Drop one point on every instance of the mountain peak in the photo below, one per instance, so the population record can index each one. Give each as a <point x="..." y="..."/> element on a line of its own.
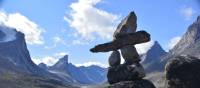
<point x="43" y="65"/>
<point x="154" y="53"/>
<point x="64" y="59"/>
<point x="156" y="45"/>
<point x="192" y="36"/>
<point x="61" y="64"/>
<point x="193" y="32"/>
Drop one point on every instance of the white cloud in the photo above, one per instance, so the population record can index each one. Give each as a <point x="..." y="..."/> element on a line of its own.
<point x="187" y="12"/>
<point x="87" y="64"/>
<point x="48" y="47"/>
<point x="144" y="47"/>
<point x="31" y="30"/>
<point x="173" y="42"/>
<point x="90" y="22"/>
<point x="48" y="60"/>
<point x="80" y="42"/>
<point x="56" y="40"/>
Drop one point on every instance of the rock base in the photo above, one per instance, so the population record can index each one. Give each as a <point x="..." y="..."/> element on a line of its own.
<point x="123" y="73"/>
<point x="133" y="84"/>
<point x="183" y="72"/>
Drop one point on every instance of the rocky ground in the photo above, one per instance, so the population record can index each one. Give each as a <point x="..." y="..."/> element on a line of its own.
<point x="19" y="80"/>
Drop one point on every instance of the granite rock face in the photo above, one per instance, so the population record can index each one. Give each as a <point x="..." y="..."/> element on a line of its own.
<point x="191" y="37"/>
<point x="133" y="84"/>
<point x="183" y="72"/>
<point x="13" y="47"/>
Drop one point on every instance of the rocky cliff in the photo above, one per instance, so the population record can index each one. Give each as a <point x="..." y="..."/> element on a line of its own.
<point x="17" y="70"/>
<point x="13" y="48"/>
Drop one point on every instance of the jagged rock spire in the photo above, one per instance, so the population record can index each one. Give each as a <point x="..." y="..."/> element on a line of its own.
<point x="61" y="64"/>
<point x="154" y="53"/>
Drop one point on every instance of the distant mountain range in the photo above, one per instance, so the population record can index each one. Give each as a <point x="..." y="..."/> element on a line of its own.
<point x="84" y="75"/>
<point x="16" y="67"/>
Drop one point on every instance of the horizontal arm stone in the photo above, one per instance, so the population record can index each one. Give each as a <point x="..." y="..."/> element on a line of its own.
<point x="129" y="39"/>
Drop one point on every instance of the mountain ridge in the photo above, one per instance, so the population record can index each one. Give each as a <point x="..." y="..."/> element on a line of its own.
<point x="84" y="75"/>
<point x="191" y="37"/>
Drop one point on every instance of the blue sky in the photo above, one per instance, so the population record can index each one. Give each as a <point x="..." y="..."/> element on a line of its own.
<point x="59" y="27"/>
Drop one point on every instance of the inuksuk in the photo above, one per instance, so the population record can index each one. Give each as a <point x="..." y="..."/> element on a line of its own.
<point x="124" y="39"/>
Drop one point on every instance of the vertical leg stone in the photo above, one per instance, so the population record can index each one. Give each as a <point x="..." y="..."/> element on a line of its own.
<point x="130" y="55"/>
<point x="114" y="58"/>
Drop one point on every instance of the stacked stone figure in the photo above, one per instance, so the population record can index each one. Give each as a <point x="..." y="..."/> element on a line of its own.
<point x="124" y="39"/>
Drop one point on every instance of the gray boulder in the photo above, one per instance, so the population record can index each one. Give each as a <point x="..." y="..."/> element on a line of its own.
<point x="130" y="54"/>
<point x="133" y="84"/>
<point x="124" y="73"/>
<point x="183" y="72"/>
<point x="127" y="25"/>
<point x="114" y="59"/>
